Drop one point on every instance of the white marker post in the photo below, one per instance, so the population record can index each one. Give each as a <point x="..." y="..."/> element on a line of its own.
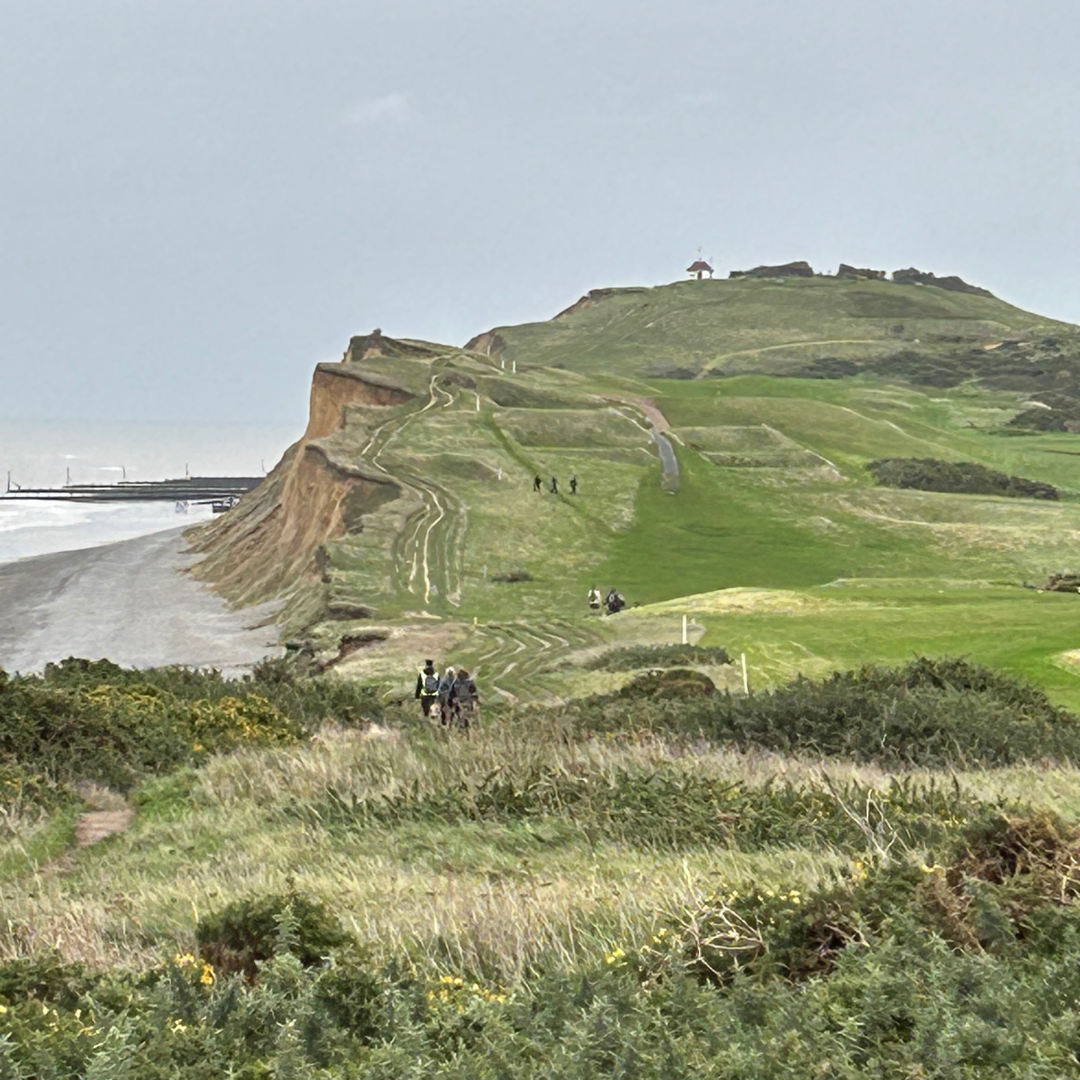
<point x="685" y="640"/>
<point x="745" y="676"/>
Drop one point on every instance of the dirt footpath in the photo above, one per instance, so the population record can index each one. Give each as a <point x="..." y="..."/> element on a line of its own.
<point x="129" y="602"/>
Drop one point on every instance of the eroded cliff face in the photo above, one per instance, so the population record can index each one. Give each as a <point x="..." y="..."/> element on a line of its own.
<point x="273" y="545"/>
<point x="335" y="386"/>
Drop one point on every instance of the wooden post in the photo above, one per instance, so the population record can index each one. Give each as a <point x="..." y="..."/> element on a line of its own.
<point x="745" y="676"/>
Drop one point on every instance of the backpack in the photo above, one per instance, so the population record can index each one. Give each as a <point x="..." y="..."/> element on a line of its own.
<point x="431" y="682"/>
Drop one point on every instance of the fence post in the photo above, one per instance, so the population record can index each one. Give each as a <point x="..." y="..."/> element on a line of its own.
<point x="745" y="675"/>
<point x="684" y="637"/>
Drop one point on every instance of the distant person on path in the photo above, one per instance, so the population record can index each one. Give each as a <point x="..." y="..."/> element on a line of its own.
<point x="596" y="601"/>
<point x="537" y="482"/>
<point x="446" y="684"/>
<point x="427" y="686"/>
<point x="554" y="486"/>
<point x="573" y="484"/>
<point x="614" y="602"/>
<point x="464" y="698"/>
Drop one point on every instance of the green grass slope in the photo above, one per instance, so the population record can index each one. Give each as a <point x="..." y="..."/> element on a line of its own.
<point x="751" y="324"/>
<point x="470" y="565"/>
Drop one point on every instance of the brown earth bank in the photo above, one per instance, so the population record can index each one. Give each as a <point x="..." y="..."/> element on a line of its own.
<point x="273" y="543"/>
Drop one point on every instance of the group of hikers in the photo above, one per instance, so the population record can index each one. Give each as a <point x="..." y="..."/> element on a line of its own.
<point x="613" y="603"/>
<point x="553" y="487"/>
<point x="453" y="693"/>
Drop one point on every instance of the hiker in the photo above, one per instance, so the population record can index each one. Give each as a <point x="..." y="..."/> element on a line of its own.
<point x="427" y="686"/>
<point x="573" y="484"/>
<point x="446" y="684"/>
<point x="554" y="486"/>
<point x="537" y="482"/>
<point x="464" y="699"/>
<point x="614" y="602"/>
<point x="595" y="599"/>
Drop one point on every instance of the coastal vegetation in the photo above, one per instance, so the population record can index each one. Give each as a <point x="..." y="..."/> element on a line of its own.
<point x="874" y="869"/>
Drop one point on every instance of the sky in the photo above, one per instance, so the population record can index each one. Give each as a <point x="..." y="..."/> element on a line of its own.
<point x="201" y="199"/>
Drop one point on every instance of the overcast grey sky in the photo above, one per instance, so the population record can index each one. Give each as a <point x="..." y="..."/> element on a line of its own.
<point x="199" y="199"/>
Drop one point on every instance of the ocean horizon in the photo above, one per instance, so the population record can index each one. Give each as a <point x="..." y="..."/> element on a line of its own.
<point x="52" y="454"/>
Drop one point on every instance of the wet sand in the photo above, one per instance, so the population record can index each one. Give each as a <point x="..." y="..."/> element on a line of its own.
<point x="129" y="602"/>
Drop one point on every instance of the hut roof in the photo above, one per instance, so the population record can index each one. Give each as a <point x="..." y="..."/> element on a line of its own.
<point x="694" y="267"/>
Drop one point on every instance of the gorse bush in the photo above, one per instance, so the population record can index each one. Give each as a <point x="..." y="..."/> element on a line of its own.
<point x="958" y="477"/>
<point x="92" y="720"/>
<point x="251" y="930"/>
<point x="896" y="970"/>
<point x="929" y="712"/>
<point x="668" y="683"/>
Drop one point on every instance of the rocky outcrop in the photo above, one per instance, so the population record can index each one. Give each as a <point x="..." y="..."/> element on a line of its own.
<point x="791" y="269"/>
<point x="911" y="276"/>
<point x="854" y="273"/>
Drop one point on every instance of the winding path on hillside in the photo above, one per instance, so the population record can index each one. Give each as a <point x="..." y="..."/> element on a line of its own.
<point x="658" y="432"/>
<point x="426" y="561"/>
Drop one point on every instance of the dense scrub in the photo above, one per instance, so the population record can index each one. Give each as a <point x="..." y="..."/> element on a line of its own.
<point x="92" y="720"/>
<point x="929" y="712"/>
<point x="962" y="965"/>
<point x="957" y="477"/>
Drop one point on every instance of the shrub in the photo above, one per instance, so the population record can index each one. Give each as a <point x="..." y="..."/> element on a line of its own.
<point x="960" y="477"/>
<point x="512" y="577"/>
<point x="673" y="683"/>
<point x="929" y="712"/>
<point x="253" y="929"/>
<point x="92" y="720"/>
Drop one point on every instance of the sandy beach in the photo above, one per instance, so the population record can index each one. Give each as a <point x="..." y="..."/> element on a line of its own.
<point x="130" y="602"/>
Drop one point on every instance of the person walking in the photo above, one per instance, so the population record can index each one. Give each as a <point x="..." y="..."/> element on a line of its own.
<point x="554" y="486"/>
<point x="464" y="700"/>
<point x="537" y="483"/>
<point x="573" y="484"/>
<point x="446" y="684"/>
<point x="596" y="600"/>
<point x="427" y="687"/>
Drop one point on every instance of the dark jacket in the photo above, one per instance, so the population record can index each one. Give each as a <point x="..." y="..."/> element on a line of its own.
<point x="463" y="691"/>
<point x="420" y="680"/>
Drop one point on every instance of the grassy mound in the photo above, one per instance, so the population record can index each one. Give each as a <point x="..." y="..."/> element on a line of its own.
<point x="634" y="657"/>
<point x="958" y="477"/>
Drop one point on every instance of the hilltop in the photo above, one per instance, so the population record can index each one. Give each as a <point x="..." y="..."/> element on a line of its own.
<point x="405" y="517"/>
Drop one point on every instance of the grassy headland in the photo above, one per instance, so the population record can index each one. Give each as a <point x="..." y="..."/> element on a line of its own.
<point x="616" y="873"/>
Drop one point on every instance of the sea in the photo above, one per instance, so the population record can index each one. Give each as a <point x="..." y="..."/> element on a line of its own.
<point x="52" y="454"/>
